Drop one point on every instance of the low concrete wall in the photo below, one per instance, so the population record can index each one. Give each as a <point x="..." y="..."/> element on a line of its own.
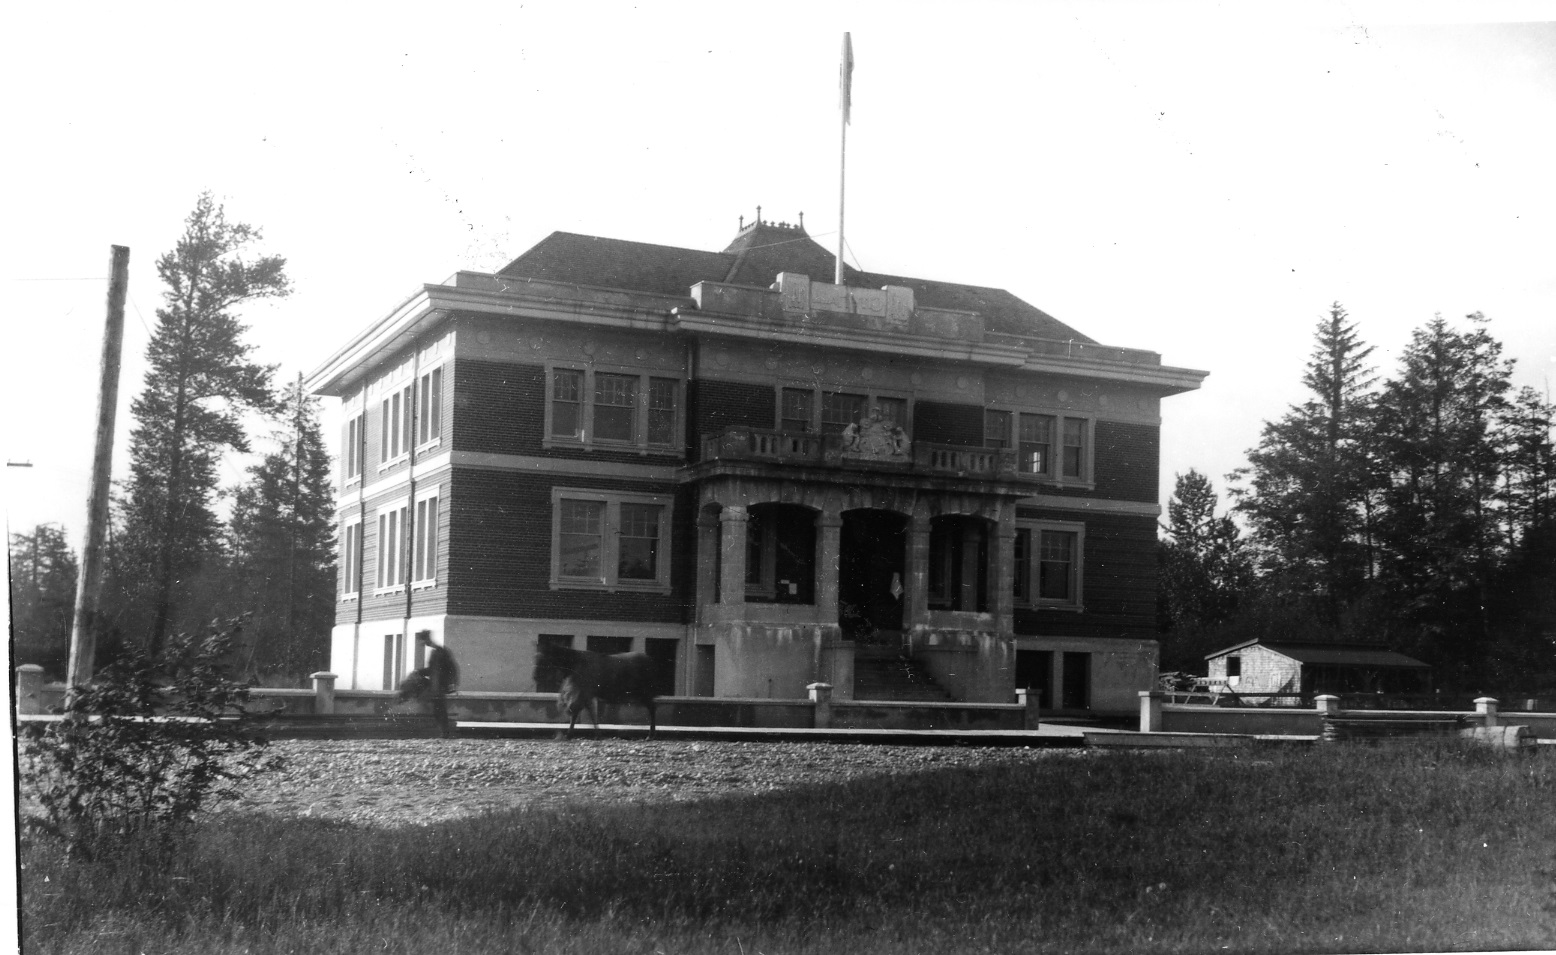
<point x="1183" y="718"/>
<point x="928" y="716"/>
<point x="1159" y="716"/>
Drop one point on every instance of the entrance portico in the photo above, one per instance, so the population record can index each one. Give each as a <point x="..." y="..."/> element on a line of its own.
<point x="795" y="572"/>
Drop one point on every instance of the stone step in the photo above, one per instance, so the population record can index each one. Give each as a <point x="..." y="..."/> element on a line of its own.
<point x="894" y="677"/>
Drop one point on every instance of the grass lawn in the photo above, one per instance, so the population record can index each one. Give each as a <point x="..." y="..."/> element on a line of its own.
<point x="1343" y="848"/>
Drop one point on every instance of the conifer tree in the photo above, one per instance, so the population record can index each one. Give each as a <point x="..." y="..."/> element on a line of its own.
<point x="283" y="546"/>
<point x="1312" y="482"/>
<point x="199" y="383"/>
<point x="43" y="597"/>
<point x="1206" y="567"/>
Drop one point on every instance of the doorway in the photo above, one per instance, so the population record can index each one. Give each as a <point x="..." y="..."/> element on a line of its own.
<point x="871" y="575"/>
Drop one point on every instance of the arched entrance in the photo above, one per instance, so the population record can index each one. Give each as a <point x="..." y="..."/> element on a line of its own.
<point x="872" y="575"/>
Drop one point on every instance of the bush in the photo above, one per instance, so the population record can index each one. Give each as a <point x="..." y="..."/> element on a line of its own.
<point x="153" y="739"/>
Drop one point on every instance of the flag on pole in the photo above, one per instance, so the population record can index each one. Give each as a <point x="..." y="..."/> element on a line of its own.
<point x="845" y="79"/>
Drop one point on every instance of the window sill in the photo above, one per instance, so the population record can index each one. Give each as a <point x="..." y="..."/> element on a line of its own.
<point x="665" y="450"/>
<point x="423" y="584"/>
<point x="389" y="591"/>
<point x="349" y="598"/>
<point x="393" y="463"/>
<point x="600" y="586"/>
<point x="1061" y="608"/>
<point x="432" y="445"/>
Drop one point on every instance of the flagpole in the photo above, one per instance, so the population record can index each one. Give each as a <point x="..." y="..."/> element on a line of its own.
<point x="845" y="90"/>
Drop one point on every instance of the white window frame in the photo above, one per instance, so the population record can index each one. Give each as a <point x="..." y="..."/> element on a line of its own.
<point x="1055" y="473"/>
<point x="424" y="542"/>
<point x="395" y="425"/>
<point x="350" y="563"/>
<point x="1036" y="529"/>
<point x="586" y="437"/>
<point x="610" y="545"/>
<point x="427" y="424"/>
<point x="398" y="570"/>
<point x="356" y="447"/>
<point x="817" y="393"/>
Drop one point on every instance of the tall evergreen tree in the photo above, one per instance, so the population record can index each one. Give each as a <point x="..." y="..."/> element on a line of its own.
<point x="1206" y="566"/>
<point x="199" y="383"/>
<point x="1437" y="434"/>
<point x="283" y="546"/>
<point x="1311" y="482"/>
<point x="1527" y="494"/>
<point x="43" y="597"/>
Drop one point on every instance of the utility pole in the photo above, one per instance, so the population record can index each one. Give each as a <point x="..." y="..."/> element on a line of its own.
<point x="83" y="633"/>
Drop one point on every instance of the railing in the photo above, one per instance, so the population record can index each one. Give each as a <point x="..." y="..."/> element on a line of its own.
<point x="801" y="448"/>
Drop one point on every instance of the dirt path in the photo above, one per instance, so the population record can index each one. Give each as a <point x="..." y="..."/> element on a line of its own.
<point x="420" y="781"/>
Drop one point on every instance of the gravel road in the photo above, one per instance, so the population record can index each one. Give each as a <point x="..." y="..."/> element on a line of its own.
<point x="421" y="781"/>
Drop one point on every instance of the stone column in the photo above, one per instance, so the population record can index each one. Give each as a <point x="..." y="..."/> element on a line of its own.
<point x="829" y="547"/>
<point x="29" y="690"/>
<point x="1486" y="711"/>
<point x="707" y="559"/>
<point x="821" y="702"/>
<point x="1003" y="559"/>
<point x="323" y="693"/>
<point x="732" y="554"/>
<point x="1029" y="699"/>
<point x="1151" y="711"/>
<point x="918" y="572"/>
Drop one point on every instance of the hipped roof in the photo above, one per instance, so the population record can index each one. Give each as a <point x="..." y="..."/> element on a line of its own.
<point x="755" y="258"/>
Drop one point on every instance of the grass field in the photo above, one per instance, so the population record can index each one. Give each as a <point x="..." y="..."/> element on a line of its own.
<point x="1337" y="848"/>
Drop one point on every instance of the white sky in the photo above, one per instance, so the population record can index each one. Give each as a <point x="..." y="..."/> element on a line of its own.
<point x="1182" y="178"/>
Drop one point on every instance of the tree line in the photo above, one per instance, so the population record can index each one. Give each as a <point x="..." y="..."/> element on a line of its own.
<point x="1416" y="511"/>
<point x="177" y="557"/>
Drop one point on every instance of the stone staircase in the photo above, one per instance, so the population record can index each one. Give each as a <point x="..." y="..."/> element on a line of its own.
<point x="885" y="673"/>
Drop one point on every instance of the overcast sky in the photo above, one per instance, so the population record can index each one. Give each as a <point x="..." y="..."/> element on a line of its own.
<point x="1181" y="178"/>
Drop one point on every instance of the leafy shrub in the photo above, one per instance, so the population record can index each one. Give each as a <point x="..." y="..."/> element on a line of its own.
<point x="155" y="737"/>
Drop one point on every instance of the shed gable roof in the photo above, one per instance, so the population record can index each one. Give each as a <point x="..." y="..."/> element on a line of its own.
<point x="1330" y="654"/>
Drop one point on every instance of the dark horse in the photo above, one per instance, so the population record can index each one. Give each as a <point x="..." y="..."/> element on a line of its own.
<point x="591" y="678"/>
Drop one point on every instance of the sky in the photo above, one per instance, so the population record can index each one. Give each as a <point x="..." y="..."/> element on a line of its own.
<point x="1202" y="180"/>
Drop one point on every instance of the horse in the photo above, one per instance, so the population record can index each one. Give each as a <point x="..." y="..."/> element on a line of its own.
<point x="416" y="685"/>
<point x="591" y="678"/>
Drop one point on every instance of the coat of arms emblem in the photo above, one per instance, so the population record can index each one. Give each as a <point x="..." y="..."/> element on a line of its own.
<point x="874" y="438"/>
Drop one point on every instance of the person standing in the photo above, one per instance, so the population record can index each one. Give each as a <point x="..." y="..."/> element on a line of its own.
<point x="442" y="679"/>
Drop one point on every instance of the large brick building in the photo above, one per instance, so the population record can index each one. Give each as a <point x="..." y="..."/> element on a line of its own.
<point x="753" y="474"/>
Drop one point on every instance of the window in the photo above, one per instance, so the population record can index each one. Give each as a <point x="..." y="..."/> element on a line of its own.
<point x="996" y="429"/>
<point x="429" y="410"/>
<point x="394" y="659"/>
<point x="829" y="412"/>
<point x="392" y="532"/>
<point x="353" y="456"/>
<point x="1234" y="669"/>
<point x="610" y="541"/>
<point x="1046" y="571"/>
<point x="424" y="531"/>
<point x="620" y="408"/>
<point x="351" y="558"/>
<point x="1050" y="446"/>
<point x="394" y="431"/>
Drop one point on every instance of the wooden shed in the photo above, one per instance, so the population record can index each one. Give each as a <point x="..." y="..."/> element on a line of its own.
<point x="1256" y="666"/>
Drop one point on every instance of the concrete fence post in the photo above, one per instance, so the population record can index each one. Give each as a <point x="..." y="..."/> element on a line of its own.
<point x="1486" y="711"/>
<point x="821" y="703"/>
<point x="1327" y="705"/>
<point x="323" y="693"/>
<point x="29" y="690"/>
<point x="1029" y="699"/>
<point x="1151" y="711"/>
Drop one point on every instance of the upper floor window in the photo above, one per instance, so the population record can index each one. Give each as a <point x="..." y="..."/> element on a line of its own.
<point x="394" y="427"/>
<point x="351" y="558"/>
<point x="597" y="408"/>
<point x="429" y="409"/>
<point x="1047" y="571"/>
<point x="610" y="541"/>
<point x="830" y="412"/>
<point x="393" y="528"/>
<point x="351" y="461"/>
<point x="424" y="546"/>
<point x="1052" y="446"/>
